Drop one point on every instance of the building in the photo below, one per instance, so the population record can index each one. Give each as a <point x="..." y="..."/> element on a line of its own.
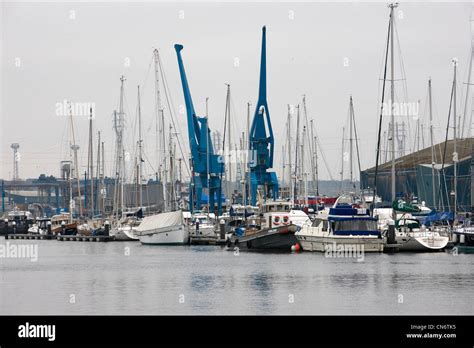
<point x="414" y="176"/>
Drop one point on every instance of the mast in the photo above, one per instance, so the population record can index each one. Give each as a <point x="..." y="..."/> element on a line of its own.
<point x="468" y="83"/>
<point x="229" y="139"/>
<point x="140" y="152"/>
<point x="160" y="133"/>
<point x="296" y="150"/>
<point x="97" y="175"/>
<point x="342" y="158"/>
<point x="75" y="147"/>
<point x="158" y="111"/>
<point x="432" y="145"/>
<point x="229" y="145"/>
<point x="315" y="161"/>
<point x="350" y="143"/>
<point x="290" y="172"/>
<point x="207" y="158"/>
<point x="120" y="152"/>
<point x="102" y="176"/>
<point x="455" y="154"/>
<point x="392" y="97"/>
<point x="90" y="161"/>
<point x="303" y="173"/>
<point x="172" y="182"/>
<point x="247" y="169"/>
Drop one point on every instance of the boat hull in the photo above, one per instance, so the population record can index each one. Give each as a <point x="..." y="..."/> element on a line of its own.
<point x="125" y="233"/>
<point x="170" y="235"/>
<point x="421" y="243"/>
<point x="322" y="243"/>
<point x="280" y="238"/>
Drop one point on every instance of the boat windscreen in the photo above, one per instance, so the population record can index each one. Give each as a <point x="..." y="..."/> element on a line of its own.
<point x="355" y="225"/>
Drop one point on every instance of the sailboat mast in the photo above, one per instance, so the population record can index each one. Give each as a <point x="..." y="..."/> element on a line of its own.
<point x="247" y="169"/>
<point x="160" y="133"/>
<point x="102" y="178"/>
<point x="91" y="163"/>
<point x="392" y="97"/>
<point x="75" y="147"/>
<point x="342" y="158"/>
<point x="297" y="150"/>
<point x="303" y="173"/>
<point x="140" y="152"/>
<point x="157" y="116"/>
<point x="468" y="85"/>
<point x="350" y="143"/>
<point x="172" y="181"/>
<point x="290" y="172"/>
<point x="229" y="182"/>
<point x="121" y="172"/>
<point x="207" y="158"/>
<point x="97" y="175"/>
<point x="455" y="154"/>
<point x="432" y="145"/>
<point x="314" y="178"/>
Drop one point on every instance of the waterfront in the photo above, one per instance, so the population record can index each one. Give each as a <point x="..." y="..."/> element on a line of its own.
<point x="129" y="278"/>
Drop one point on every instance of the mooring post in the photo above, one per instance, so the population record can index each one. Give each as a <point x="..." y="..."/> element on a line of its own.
<point x="391" y="233"/>
<point x="107" y="228"/>
<point x="222" y="228"/>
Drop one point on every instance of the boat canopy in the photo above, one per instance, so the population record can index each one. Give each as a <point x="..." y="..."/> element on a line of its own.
<point x="443" y="216"/>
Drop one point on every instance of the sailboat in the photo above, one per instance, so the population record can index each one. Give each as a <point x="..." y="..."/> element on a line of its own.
<point x="170" y="226"/>
<point x="125" y="224"/>
<point x="403" y="233"/>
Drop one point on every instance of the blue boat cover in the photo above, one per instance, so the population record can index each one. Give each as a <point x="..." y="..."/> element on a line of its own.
<point x="434" y="216"/>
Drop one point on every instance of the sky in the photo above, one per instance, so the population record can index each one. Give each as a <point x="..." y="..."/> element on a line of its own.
<point x="51" y="52"/>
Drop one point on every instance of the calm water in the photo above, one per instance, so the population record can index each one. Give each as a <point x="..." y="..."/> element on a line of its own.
<point x="212" y="280"/>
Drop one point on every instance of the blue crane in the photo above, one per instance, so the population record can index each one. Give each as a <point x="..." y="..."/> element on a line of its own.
<point x="261" y="145"/>
<point x="207" y="167"/>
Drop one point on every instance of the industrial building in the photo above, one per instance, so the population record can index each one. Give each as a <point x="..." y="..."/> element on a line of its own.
<point x="414" y="176"/>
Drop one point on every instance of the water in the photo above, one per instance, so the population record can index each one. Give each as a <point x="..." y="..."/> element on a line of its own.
<point x="128" y="278"/>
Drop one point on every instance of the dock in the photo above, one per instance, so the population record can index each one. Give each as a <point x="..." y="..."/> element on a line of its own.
<point x="76" y="238"/>
<point x="206" y="240"/>
<point x="70" y="238"/>
<point x="29" y="236"/>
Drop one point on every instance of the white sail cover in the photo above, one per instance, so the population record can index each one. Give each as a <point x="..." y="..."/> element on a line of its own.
<point x="160" y="222"/>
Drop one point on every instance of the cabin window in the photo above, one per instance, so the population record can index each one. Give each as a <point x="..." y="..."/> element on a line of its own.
<point x="355" y="225"/>
<point x="325" y="225"/>
<point x="316" y="223"/>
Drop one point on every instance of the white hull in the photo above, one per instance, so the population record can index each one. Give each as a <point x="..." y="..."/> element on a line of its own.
<point x="424" y="241"/>
<point x="322" y="243"/>
<point x="177" y="234"/>
<point x="125" y="233"/>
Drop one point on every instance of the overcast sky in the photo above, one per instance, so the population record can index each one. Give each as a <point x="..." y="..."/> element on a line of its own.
<point x="77" y="51"/>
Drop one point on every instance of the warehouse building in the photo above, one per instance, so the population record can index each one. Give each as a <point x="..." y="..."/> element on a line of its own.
<point x="414" y="176"/>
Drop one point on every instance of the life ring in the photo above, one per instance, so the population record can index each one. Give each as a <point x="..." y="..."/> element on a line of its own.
<point x="276" y="220"/>
<point x="286" y="220"/>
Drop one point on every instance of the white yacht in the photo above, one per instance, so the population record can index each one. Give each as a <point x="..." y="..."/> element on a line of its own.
<point x="410" y="235"/>
<point x="163" y="229"/>
<point x="202" y="224"/>
<point x="345" y="227"/>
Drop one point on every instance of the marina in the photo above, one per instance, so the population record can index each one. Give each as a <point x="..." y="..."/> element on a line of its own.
<point x="191" y="197"/>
